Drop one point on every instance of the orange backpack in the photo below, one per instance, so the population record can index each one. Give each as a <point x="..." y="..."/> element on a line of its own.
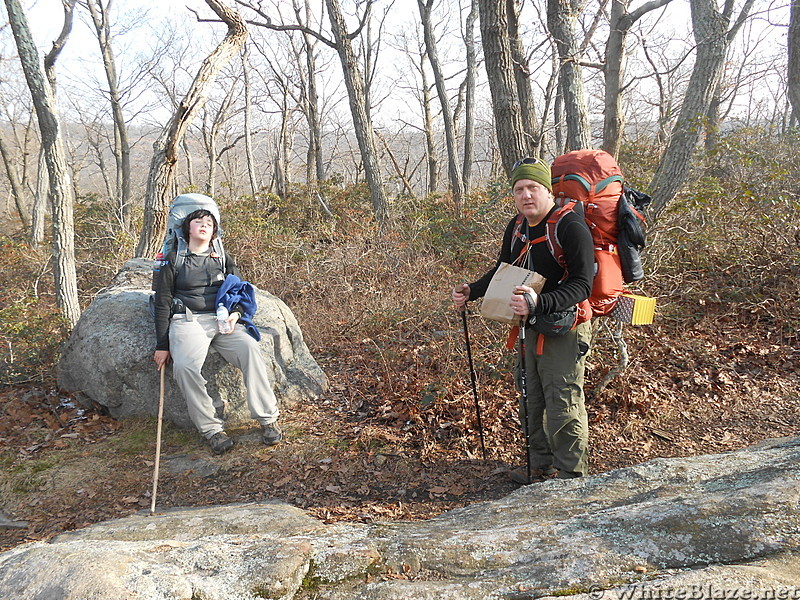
<point x="593" y="178"/>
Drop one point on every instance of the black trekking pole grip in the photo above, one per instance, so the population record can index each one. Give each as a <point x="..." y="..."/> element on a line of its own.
<point x="472" y="378"/>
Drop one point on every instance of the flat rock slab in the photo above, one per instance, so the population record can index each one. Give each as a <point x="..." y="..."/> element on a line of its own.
<point x="666" y="524"/>
<point x="192" y="466"/>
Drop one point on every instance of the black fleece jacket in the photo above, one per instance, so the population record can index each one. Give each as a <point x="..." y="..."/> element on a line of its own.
<point x="575" y="239"/>
<point x="196" y="285"/>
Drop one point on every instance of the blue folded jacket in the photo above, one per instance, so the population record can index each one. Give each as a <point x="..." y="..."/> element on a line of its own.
<point x="233" y="292"/>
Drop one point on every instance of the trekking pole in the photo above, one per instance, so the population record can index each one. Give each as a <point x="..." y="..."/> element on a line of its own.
<point x="472" y="377"/>
<point x="158" y="440"/>
<point x="523" y="386"/>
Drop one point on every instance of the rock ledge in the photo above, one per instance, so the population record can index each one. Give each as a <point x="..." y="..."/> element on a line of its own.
<point x="707" y="525"/>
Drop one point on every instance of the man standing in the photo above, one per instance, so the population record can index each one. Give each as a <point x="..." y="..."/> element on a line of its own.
<point x="554" y="365"/>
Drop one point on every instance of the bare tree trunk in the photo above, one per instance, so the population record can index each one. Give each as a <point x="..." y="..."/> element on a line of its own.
<point x="39" y="210"/>
<point x="43" y="94"/>
<point x="358" y="108"/>
<point x="401" y="174"/>
<point x="93" y="138"/>
<point x="711" y="124"/>
<point x="558" y="118"/>
<point x="189" y="162"/>
<point x="122" y="148"/>
<point x="248" y="131"/>
<point x="356" y="82"/>
<point x="550" y="99"/>
<point x="794" y="61"/>
<point x="368" y="51"/>
<point x="512" y="142"/>
<point x="303" y="62"/>
<point x="280" y="171"/>
<point x="469" y="105"/>
<point x="453" y="167"/>
<point x="713" y="38"/>
<point x="210" y="142"/>
<point x="664" y="101"/>
<point x="211" y="135"/>
<point x="562" y="16"/>
<point x="25" y="144"/>
<point x="313" y="117"/>
<point x="430" y="136"/>
<point x="616" y="57"/>
<point x="75" y="164"/>
<point x="16" y="187"/>
<point x="282" y="151"/>
<point x="522" y="76"/>
<point x="161" y="178"/>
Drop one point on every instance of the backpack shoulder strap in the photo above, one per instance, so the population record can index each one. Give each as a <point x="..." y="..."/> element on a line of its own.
<point x="181" y="248"/>
<point x="217" y="247"/>
<point x="518" y="235"/>
<point x="551" y="235"/>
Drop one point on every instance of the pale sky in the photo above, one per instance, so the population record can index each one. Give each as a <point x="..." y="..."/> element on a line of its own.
<point x="81" y="52"/>
<point x="46" y="18"/>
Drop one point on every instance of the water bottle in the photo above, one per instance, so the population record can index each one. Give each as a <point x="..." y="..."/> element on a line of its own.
<point x="222" y="319"/>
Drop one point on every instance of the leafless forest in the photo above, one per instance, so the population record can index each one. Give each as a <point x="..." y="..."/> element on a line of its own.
<point x="130" y="104"/>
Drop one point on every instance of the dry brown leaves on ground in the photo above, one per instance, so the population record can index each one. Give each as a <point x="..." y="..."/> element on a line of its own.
<point x="396" y="437"/>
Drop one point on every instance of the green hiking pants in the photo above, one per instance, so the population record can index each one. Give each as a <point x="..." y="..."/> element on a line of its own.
<point x="558" y="428"/>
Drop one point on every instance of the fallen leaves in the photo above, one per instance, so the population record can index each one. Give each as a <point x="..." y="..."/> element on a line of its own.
<point x="367" y="451"/>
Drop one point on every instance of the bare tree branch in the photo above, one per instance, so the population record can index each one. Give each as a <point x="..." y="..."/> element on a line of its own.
<point x="161" y="180"/>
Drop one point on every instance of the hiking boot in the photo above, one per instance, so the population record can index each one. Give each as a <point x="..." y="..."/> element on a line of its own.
<point x="270" y="434"/>
<point x="520" y="474"/>
<point x="220" y="443"/>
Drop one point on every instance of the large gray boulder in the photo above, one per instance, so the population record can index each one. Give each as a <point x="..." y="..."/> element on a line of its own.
<point x="108" y="357"/>
<point x="684" y="528"/>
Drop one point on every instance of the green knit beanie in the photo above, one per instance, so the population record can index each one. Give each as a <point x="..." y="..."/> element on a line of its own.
<point x="534" y="169"/>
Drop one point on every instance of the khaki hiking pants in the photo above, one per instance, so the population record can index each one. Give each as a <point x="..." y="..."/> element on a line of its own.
<point x="190" y="337"/>
<point x="558" y="426"/>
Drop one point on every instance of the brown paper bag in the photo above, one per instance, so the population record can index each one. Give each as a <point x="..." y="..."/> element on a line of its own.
<point x="495" y="303"/>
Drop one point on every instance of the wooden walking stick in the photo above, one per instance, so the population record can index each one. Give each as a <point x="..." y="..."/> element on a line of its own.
<point x="158" y="440"/>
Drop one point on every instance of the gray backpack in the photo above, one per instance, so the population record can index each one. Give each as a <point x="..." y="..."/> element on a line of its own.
<point x="181" y="207"/>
